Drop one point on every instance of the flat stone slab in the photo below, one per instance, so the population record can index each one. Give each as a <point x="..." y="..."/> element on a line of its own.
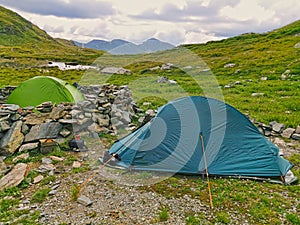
<point x="14" y="177"/>
<point x="43" y="131"/>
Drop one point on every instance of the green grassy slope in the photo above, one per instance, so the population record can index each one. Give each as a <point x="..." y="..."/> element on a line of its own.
<point x="256" y="56"/>
<point x="15" y="30"/>
<point x="23" y="43"/>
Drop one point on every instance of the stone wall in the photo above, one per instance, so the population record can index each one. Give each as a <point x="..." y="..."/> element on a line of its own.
<point x="5" y="92"/>
<point x="107" y="109"/>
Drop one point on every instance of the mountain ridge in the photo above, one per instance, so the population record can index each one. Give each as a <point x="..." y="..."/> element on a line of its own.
<point x="119" y="46"/>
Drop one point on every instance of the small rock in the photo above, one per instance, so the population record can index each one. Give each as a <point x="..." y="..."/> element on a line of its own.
<point x="29" y="146"/>
<point x="38" y="179"/>
<point x="229" y="65"/>
<point x="173" y="82"/>
<point x="287" y="133"/>
<point x="76" y="164"/>
<point x="297" y="131"/>
<point x="55" y="187"/>
<point x="257" y="94"/>
<point x="84" y="200"/>
<point x="46" y="167"/>
<point x="55" y="158"/>
<point x="280" y="143"/>
<point x="296" y="136"/>
<point x="46" y="161"/>
<point x="22" y="156"/>
<point x="278" y="127"/>
<point x="65" y="133"/>
<point x="264" y="78"/>
<point x="52" y="192"/>
<point x="4" y="126"/>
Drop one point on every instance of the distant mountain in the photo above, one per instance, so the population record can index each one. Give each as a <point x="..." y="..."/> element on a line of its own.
<point x="103" y="45"/>
<point x="154" y="45"/>
<point x="126" y="49"/>
<point x="118" y="46"/>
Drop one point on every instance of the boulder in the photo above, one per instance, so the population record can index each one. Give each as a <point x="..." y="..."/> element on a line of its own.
<point x="44" y="131"/>
<point x="15" y="176"/>
<point x="12" y="139"/>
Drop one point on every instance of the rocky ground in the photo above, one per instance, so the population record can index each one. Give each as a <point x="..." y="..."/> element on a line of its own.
<point x="103" y="201"/>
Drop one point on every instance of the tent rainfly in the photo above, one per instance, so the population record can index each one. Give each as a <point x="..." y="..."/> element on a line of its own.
<point x="171" y="142"/>
<point x="41" y="89"/>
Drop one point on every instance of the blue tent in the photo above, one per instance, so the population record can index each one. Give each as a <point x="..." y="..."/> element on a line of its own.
<point x="172" y="142"/>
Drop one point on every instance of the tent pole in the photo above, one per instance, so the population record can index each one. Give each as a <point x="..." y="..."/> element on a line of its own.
<point x="206" y="170"/>
<point x="94" y="173"/>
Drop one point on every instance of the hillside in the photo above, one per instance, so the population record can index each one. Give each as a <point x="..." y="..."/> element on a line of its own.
<point x="15" y="30"/>
<point x="26" y="44"/>
<point x="268" y="54"/>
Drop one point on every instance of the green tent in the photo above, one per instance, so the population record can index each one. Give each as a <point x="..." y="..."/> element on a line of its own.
<point x="42" y="89"/>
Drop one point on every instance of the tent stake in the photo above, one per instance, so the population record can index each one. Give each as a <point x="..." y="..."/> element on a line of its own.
<point x="82" y="186"/>
<point x="206" y="170"/>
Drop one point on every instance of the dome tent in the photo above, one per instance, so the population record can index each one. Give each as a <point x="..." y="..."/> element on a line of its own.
<point x="41" y="89"/>
<point x="172" y="142"/>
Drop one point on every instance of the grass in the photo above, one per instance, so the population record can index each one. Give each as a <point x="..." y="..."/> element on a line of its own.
<point x="194" y="220"/>
<point x="222" y="217"/>
<point x="75" y="190"/>
<point x="40" y="195"/>
<point x="163" y="215"/>
<point x="9" y="200"/>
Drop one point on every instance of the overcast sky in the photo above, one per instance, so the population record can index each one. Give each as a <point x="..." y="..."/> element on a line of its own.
<point x="176" y="21"/>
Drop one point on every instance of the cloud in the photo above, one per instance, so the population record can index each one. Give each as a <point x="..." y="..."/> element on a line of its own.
<point x="192" y="11"/>
<point x="69" y="9"/>
<point x="176" y="21"/>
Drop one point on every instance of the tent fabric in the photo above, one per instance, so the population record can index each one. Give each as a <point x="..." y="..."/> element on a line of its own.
<point x="171" y="142"/>
<point x="41" y="89"/>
